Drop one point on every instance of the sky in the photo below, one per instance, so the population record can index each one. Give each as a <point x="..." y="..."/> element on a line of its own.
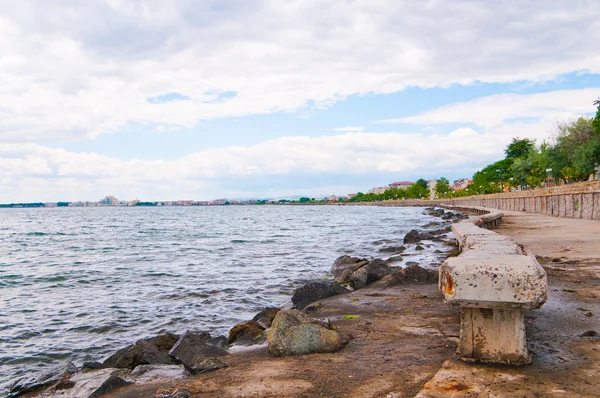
<point x="199" y="100"/>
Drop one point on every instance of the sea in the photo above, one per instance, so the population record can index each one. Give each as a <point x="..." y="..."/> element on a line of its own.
<point x="76" y="284"/>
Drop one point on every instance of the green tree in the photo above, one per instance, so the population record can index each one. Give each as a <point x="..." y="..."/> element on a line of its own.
<point x="304" y="200"/>
<point x="596" y="122"/>
<point x="416" y="191"/>
<point x="491" y="178"/>
<point x="519" y="148"/>
<point x="422" y="183"/>
<point x="442" y="187"/>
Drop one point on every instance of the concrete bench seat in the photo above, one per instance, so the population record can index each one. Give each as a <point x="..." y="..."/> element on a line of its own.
<point x="488" y="280"/>
<point x="493" y="281"/>
<point x="492" y="244"/>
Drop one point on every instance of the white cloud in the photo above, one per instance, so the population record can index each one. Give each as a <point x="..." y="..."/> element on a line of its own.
<point x="349" y="128"/>
<point x="35" y="172"/>
<point x="495" y="110"/>
<point x="72" y="71"/>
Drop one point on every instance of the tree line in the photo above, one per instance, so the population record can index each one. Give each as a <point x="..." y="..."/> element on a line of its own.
<point x="572" y="154"/>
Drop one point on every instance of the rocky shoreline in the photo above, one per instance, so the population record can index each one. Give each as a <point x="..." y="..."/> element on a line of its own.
<point x="286" y="331"/>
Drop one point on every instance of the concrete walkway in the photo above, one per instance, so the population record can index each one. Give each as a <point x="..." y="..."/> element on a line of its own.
<point x="564" y="335"/>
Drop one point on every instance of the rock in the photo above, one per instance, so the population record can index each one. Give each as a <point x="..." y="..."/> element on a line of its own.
<point x="381" y="241"/>
<point x="344" y="266"/>
<point x="199" y="352"/>
<point x="394" y="259"/>
<point x="431" y="224"/>
<point x="411" y="274"/>
<point x="92" y="366"/>
<point x="358" y="280"/>
<point x="412" y="237"/>
<point x="392" y="249"/>
<point x="25" y="385"/>
<point x="145" y="374"/>
<point x="410" y="263"/>
<point x="247" y="333"/>
<point x="440" y="231"/>
<point x="314" y="291"/>
<point x="589" y="333"/>
<point x="266" y="316"/>
<point x="150" y="351"/>
<point x="370" y="273"/>
<point x="295" y="333"/>
<point x="425" y="235"/>
<point x="95" y="383"/>
<point x="419" y="248"/>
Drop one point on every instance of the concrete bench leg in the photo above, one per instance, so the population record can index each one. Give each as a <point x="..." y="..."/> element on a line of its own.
<point x="493" y="335"/>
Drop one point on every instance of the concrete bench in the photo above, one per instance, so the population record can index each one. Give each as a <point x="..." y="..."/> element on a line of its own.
<point x="493" y="281"/>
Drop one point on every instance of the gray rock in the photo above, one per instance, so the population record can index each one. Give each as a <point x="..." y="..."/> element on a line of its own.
<point x="266" y="316"/>
<point x="26" y="385"/>
<point x="392" y="249"/>
<point x="92" y="366"/>
<point x="370" y="273"/>
<point x="295" y="333"/>
<point x="150" y="351"/>
<point x="358" y="280"/>
<point x="411" y="274"/>
<point x="394" y="259"/>
<point x="247" y="333"/>
<point x="419" y="248"/>
<point x="91" y="384"/>
<point x="344" y="266"/>
<point x="199" y="352"/>
<point x="412" y="237"/>
<point x="314" y="291"/>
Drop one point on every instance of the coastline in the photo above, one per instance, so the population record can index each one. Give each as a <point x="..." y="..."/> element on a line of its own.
<point x="405" y="338"/>
<point x="384" y="253"/>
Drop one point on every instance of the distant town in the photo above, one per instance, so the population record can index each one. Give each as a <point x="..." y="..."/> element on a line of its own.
<point x="428" y="192"/>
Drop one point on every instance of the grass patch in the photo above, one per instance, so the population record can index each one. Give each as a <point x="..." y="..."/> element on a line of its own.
<point x="351" y="316"/>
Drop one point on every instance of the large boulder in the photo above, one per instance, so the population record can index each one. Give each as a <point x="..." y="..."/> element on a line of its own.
<point x="247" y="333"/>
<point x="295" y="333"/>
<point x="266" y="316"/>
<point x="314" y="291"/>
<point x="412" y="237"/>
<point x="370" y="273"/>
<point x="150" y="351"/>
<point x="199" y="352"/>
<point x="25" y="385"/>
<point x="411" y="274"/>
<point x="345" y="266"/>
<point x="92" y="384"/>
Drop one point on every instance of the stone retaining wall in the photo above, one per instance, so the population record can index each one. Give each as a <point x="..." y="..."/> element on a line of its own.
<point x="579" y="200"/>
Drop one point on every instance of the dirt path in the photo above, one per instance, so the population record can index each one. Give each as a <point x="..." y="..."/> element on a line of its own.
<point x="566" y="353"/>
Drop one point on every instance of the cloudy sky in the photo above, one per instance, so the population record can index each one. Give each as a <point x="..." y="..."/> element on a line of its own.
<point x="182" y="99"/>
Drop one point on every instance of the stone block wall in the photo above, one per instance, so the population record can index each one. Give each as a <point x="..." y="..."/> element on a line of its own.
<point x="579" y="200"/>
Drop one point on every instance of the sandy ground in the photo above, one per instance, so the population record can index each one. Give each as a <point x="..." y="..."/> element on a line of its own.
<point x="566" y="362"/>
<point x="406" y="337"/>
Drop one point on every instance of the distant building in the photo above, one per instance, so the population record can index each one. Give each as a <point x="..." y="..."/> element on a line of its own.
<point x="378" y="190"/>
<point x="332" y="198"/>
<point x="351" y="195"/>
<point x="109" y="201"/>
<point x="461" y="184"/>
<point x="401" y="184"/>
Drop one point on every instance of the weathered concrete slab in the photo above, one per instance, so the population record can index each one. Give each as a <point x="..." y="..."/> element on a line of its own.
<point x="493" y="281"/>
